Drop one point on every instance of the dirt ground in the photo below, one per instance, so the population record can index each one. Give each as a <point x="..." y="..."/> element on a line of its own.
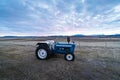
<point x="94" y="60"/>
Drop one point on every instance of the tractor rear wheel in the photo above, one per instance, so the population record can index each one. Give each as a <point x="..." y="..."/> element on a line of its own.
<point x="69" y="57"/>
<point x="42" y="52"/>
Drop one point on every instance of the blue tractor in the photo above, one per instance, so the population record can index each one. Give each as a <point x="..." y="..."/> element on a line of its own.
<point x="47" y="48"/>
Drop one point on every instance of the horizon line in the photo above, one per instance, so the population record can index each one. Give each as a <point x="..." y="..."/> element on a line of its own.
<point x="57" y="35"/>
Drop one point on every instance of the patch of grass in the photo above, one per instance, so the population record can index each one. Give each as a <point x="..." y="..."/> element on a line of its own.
<point x="18" y="62"/>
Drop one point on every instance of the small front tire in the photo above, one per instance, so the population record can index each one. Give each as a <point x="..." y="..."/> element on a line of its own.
<point x="69" y="57"/>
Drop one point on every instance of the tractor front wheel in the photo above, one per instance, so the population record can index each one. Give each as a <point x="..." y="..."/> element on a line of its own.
<point x="69" y="57"/>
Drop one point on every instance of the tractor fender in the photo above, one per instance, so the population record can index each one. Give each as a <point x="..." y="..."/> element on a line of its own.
<point x="42" y="44"/>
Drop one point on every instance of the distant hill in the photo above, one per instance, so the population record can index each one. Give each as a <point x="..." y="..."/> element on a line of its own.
<point x="116" y="35"/>
<point x="77" y="35"/>
<point x="98" y="36"/>
<point x="19" y="37"/>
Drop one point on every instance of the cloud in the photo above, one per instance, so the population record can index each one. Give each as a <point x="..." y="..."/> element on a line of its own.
<point x="53" y="17"/>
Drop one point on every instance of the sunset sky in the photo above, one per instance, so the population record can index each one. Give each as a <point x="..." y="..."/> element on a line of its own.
<point x="59" y="17"/>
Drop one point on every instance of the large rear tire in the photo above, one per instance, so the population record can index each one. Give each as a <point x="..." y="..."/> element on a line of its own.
<point x="42" y="52"/>
<point x="69" y="57"/>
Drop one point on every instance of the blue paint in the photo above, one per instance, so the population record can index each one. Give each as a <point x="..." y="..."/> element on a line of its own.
<point x="64" y="48"/>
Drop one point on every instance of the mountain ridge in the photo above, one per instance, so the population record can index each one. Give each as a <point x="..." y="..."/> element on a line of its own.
<point x="76" y="35"/>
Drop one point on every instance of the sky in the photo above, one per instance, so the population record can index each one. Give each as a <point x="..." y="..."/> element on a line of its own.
<point x="59" y="17"/>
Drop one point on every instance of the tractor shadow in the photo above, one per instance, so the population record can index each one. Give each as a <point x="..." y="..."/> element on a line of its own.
<point x="56" y="57"/>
